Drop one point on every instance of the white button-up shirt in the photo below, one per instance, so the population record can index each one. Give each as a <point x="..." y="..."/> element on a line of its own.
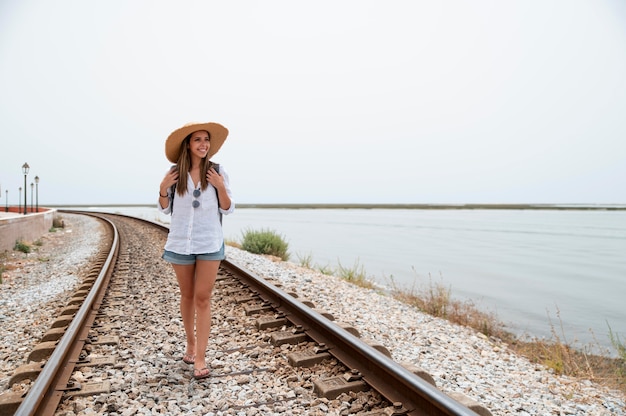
<point x="196" y="230"/>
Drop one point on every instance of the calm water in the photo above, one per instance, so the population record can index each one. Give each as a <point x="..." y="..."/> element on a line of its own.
<point x="529" y="267"/>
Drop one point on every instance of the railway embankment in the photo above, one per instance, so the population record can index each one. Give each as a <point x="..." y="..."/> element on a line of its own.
<point x="23" y="227"/>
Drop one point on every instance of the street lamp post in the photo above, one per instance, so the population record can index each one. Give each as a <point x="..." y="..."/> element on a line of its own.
<point x="32" y="189"/>
<point x="19" y="201"/>
<point x="6" y="202"/>
<point x="25" y="169"/>
<point x="37" y="192"/>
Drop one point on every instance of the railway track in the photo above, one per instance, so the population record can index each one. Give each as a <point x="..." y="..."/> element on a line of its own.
<point x="270" y="350"/>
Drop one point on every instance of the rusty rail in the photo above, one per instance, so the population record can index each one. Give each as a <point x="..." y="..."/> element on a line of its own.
<point x="44" y="395"/>
<point x="390" y="379"/>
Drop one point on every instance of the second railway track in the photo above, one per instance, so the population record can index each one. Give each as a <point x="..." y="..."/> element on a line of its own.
<point x="270" y="352"/>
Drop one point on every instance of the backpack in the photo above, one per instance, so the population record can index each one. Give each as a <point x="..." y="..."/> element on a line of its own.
<point x="215" y="166"/>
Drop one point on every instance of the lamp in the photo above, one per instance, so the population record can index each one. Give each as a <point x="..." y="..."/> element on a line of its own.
<point x="25" y="169"/>
<point x="37" y="192"/>
<point x="32" y="188"/>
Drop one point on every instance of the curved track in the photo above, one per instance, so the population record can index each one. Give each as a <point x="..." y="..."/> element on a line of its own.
<point x="342" y="362"/>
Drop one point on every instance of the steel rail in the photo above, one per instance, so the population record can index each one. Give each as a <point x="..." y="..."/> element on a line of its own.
<point x="392" y="380"/>
<point x="43" y="389"/>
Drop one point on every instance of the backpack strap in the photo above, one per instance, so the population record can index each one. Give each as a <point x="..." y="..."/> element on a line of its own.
<point x="171" y="194"/>
<point x="216" y="166"/>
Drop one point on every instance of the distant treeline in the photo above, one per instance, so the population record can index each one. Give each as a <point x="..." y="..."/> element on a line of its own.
<point x="575" y="207"/>
<point x="435" y="206"/>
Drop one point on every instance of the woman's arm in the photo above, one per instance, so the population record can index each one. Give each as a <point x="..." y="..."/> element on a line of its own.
<point x="171" y="177"/>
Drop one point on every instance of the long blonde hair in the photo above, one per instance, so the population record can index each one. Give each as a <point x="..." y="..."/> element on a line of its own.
<point x="184" y="165"/>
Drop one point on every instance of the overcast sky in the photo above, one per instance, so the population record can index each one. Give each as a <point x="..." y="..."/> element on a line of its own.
<point x="326" y="101"/>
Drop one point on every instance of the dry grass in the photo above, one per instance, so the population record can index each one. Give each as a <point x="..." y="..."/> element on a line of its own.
<point x="436" y="300"/>
<point x="233" y="243"/>
<point x="355" y="275"/>
<point x="554" y="353"/>
<point x="6" y="263"/>
<point x="2" y="264"/>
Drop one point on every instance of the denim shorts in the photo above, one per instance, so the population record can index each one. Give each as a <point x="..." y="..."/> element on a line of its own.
<point x="185" y="259"/>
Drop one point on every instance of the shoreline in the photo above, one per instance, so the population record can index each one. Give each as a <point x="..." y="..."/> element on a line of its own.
<point x="547" y="207"/>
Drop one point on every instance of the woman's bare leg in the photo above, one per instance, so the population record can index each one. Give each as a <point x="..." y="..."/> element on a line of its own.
<point x="206" y="274"/>
<point x="185" y="274"/>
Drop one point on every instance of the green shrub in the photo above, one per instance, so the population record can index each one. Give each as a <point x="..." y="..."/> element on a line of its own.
<point x="21" y="246"/>
<point x="265" y="242"/>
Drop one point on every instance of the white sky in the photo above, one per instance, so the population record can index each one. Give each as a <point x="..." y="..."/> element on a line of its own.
<point x="326" y="101"/>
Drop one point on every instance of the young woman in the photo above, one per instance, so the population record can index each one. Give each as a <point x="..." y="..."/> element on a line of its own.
<point x="196" y="193"/>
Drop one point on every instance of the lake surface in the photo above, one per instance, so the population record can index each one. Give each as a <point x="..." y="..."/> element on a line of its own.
<point x="536" y="269"/>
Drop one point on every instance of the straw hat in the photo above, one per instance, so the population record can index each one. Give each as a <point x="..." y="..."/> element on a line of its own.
<point x="217" y="134"/>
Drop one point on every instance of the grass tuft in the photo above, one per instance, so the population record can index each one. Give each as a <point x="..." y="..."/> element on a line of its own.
<point x="22" y="246"/>
<point x="355" y="274"/>
<point x="3" y="264"/>
<point x="436" y="299"/>
<point x="265" y="242"/>
<point x="620" y="347"/>
<point x="327" y="270"/>
<point x="305" y="260"/>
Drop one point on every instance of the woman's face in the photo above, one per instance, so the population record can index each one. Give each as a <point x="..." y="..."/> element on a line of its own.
<point x="199" y="144"/>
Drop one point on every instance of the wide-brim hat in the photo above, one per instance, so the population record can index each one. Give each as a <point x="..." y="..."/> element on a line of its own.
<point x="217" y="135"/>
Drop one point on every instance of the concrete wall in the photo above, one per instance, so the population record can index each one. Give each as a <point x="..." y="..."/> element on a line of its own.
<point x="27" y="228"/>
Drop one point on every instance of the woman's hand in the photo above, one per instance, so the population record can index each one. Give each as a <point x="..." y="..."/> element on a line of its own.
<point x="170" y="179"/>
<point x="217" y="181"/>
<point x="215" y="178"/>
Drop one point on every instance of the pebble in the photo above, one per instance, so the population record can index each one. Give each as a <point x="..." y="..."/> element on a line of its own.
<point x="459" y="359"/>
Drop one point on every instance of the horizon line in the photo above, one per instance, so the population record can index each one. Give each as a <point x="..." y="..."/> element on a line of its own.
<point x="574" y="206"/>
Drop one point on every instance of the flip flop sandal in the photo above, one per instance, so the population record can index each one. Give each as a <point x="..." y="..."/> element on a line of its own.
<point x="202" y="373"/>
<point x="189" y="358"/>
